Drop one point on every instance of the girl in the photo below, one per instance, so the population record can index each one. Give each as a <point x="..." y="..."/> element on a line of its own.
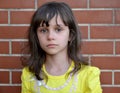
<point x="55" y="64"/>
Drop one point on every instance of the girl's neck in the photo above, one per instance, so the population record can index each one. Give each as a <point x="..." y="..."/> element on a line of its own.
<point x="57" y="64"/>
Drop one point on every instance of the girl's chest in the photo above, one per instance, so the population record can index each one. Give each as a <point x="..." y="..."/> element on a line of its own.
<point x="69" y="85"/>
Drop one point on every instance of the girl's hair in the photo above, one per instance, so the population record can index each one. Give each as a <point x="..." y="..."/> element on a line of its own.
<point x="42" y="16"/>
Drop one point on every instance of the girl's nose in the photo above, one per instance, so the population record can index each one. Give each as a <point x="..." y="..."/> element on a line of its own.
<point x="51" y="35"/>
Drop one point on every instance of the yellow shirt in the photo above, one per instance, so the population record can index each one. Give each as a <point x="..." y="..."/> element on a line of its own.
<point x="86" y="80"/>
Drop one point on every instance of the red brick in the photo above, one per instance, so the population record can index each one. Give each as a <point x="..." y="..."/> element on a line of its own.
<point x="10" y="89"/>
<point x="17" y="47"/>
<point x="84" y="32"/>
<point x="4" y="77"/>
<point x="117" y="16"/>
<point x="71" y="3"/>
<point x="94" y="16"/>
<point x="105" y="32"/>
<point x="17" y="4"/>
<point x="105" y="3"/>
<point x="117" y="47"/>
<point x="10" y="62"/>
<point x="111" y="89"/>
<point x="13" y="32"/>
<point x="106" y="62"/>
<point x="3" y="17"/>
<point x="106" y="78"/>
<point x="21" y="17"/>
<point x="16" y="77"/>
<point x="4" y="47"/>
<point x="97" y="47"/>
<point x="117" y="78"/>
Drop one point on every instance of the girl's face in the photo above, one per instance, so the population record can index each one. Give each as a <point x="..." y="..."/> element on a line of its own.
<point x="54" y="38"/>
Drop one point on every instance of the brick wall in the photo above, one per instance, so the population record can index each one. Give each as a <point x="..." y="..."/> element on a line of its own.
<point x="99" y="21"/>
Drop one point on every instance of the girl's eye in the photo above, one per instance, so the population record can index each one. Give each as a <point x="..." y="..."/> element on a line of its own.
<point x="58" y="29"/>
<point x="43" y="30"/>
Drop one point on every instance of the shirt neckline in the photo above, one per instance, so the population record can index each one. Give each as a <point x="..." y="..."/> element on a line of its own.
<point x="59" y="76"/>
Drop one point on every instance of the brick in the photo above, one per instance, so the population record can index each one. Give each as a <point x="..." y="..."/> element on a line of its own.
<point x="21" y="17"/>
<point x="97" y="47"/>
<point x="105" y="3"/>
<point x="117" y="47"/>
<point x="16" y="77"/>
<point x="17" y="47"/>
<point x="4" y="77"/>
<point x="13" y="32"/>
<point x="10" y="62"/>
<point x="94" y="16"/>
<point x="106" y="78"/>
<point x="10" y="89"/>
<point x="3" y="17"/>
<point x="106" y="62"/>
<point x="111" y="89"/>
<point x="105" y="32"/>
<point x="117" y="16"/>
<point x="17" y="4"/>
<point x="117" y="78"/>
<point x="4" y="47"/>
<point x="84" y="32"/>
<point x="72" y="4"/>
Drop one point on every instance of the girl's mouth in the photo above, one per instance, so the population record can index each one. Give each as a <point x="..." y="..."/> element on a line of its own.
<point x="51" y="45"/>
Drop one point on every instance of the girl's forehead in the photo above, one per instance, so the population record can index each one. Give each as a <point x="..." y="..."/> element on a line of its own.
<point x="56" y="20"/>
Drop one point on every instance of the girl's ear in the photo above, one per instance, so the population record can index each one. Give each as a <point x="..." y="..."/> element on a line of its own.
<point x="69" y="39"/>
<point x="72" y="35"/>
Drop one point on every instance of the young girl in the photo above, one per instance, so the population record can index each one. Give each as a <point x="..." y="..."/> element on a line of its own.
<point x="55" y="64"/>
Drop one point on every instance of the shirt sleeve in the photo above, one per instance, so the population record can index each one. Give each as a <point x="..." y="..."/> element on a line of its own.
<point x="93" y="81"/>
<point x="25" y="86"/>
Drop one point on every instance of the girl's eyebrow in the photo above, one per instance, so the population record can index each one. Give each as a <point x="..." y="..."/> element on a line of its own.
<point x="41" y="27"/>
<point x="61" y="25"/>
<point x="56" y="25"/>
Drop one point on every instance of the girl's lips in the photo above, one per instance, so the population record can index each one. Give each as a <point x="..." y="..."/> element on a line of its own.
<point x="52" y="45"/>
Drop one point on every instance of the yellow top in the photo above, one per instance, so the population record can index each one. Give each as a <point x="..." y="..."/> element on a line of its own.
<point x="86" y="80"/>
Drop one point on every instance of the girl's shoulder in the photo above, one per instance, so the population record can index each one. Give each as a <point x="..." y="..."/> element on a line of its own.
<point x="26" y="74"/>
<point x="89" y="70"/>
<point x="26" y="71"/>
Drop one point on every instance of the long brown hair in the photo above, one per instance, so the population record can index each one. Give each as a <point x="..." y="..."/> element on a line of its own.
<point x="43" y="15"/>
